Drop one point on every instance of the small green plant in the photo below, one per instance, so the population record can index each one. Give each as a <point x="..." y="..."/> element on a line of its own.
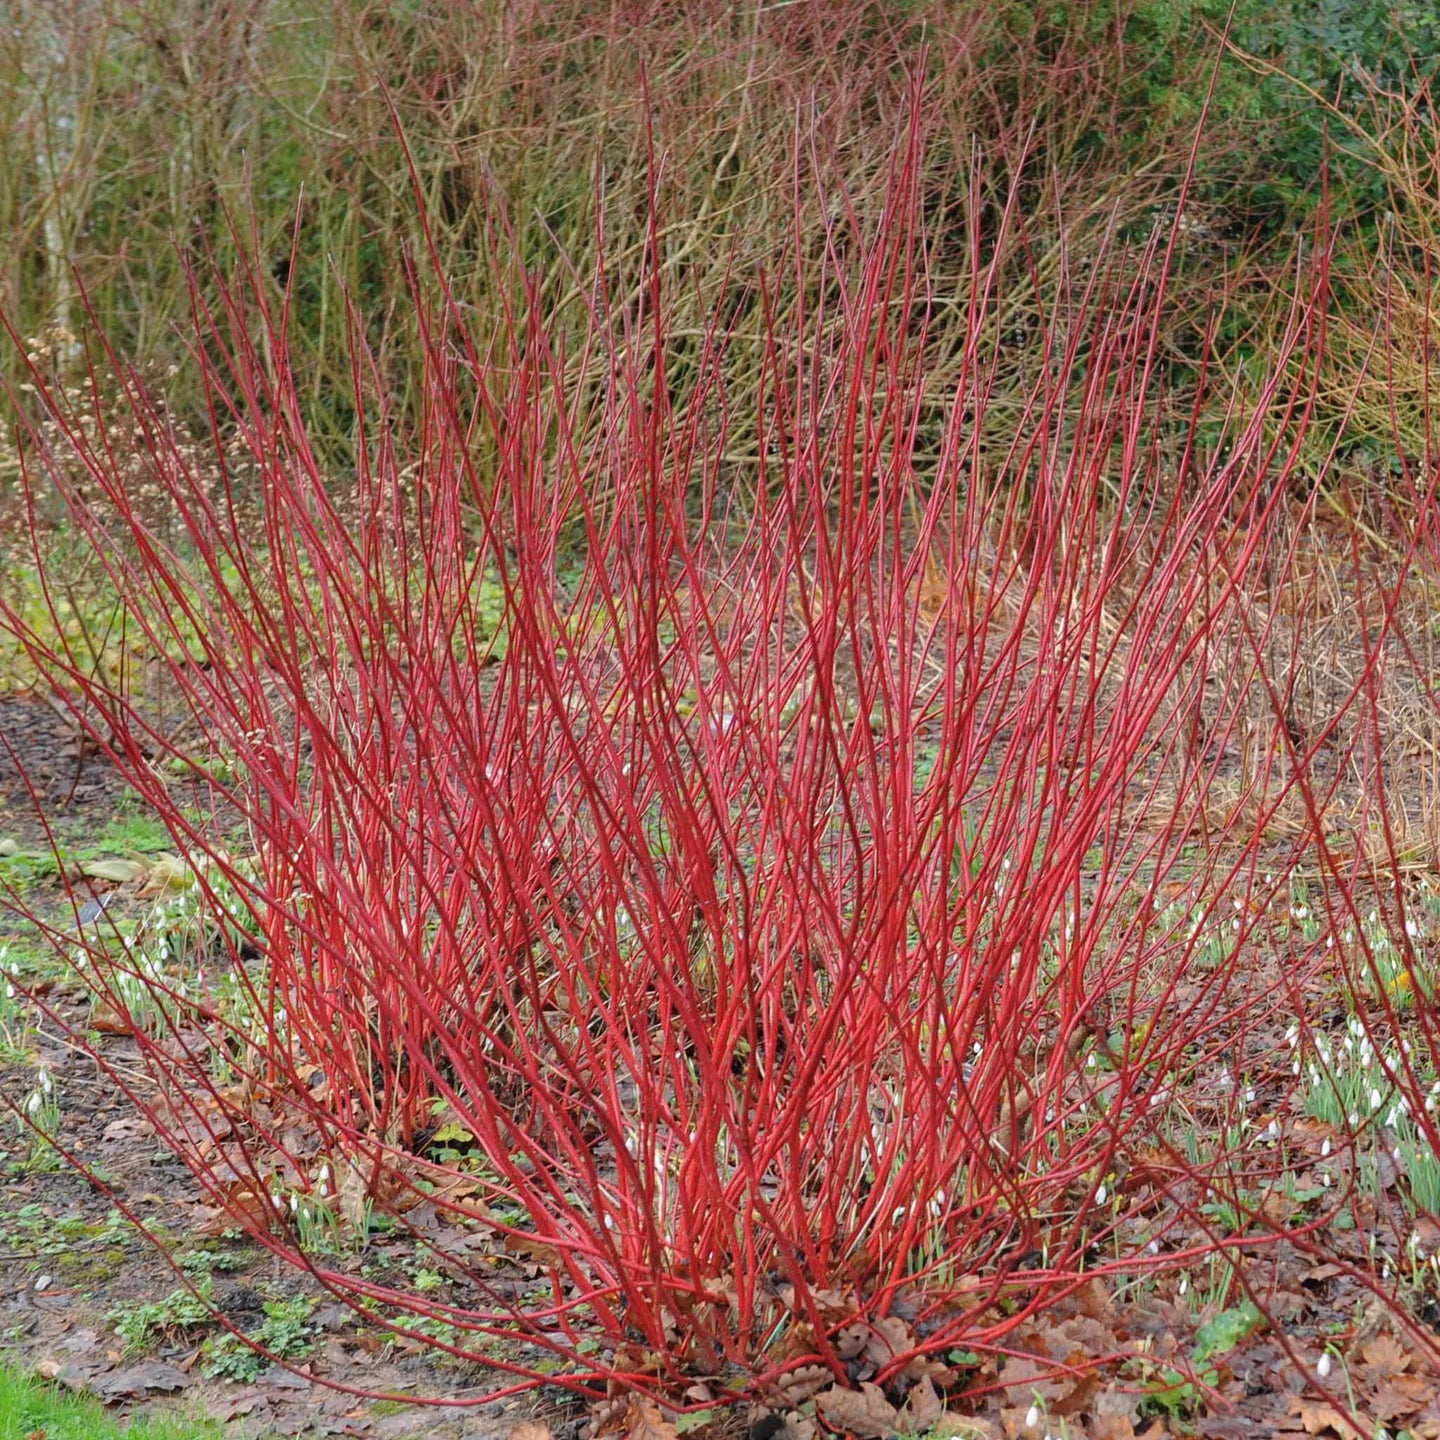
<point x="1178" y="1395"/>
<point x="206" y="1261"/>
<point x="179" y="1311"/>
<point x="284" y="1334"/>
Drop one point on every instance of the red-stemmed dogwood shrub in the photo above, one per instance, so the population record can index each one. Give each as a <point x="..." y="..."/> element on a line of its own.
<point x="756" y="902"/>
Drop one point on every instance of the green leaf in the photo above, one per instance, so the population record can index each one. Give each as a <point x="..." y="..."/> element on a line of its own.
<point x="1227" y="1330"/>
<point x="452" y="1131"/>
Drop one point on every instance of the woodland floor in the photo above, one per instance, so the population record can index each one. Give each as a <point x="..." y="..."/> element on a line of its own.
<point x="69" y="1272"/>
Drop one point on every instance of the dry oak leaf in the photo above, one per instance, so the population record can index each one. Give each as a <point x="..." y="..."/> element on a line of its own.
<point x="1400" y="1395"/>
<point x="889" y="1337"/>
<point x="530" y="1430"/>
<point x="1384" y="1357"/>
<point x="1122" y="1427"/>
<point x="1321" y="1419"/>
<point x="798" y="1385"/>
<point x="643" y="1421"/>
<point x="864" y="1413"/>
<point x="923" y="1407"/>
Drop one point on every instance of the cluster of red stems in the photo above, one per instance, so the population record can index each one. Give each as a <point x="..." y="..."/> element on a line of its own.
<point x="742" y="861"/>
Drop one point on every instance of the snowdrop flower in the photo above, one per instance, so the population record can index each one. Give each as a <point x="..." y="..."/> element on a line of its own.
<point x="1323" y="1368"/>
<point x="1412" y="929"/>
<point x="46" y="1084"/>
<point x="1325" y="1150"/>
<point x="1032" y="1417"/>
<point x="35" y="1104"/>
<point x="1184" y="1284"/>
<point x="1100" y="1195"/>
<point x="1376" y="1099"/>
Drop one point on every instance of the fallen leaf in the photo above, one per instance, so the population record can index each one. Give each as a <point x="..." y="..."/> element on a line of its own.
<point x="536" y="1251"/>
<point x="120" y="872"/>
<point x="530" y="1430"/>
<point x="1400" y="1395"/>
<point x="1079" y="1397"/>
<point x="864" y="1413"/>
<point x="889" y="1337"/>
<point x="923" y="1407"/>
<point x="643" y="1421"/>
<point x="1384" y="1357"/>
<point x="797" y="1386"/>
<point x="232" y="1407"/>
<point x="127" y="1128"/>
<point x="139" y="1380"/>
<point x="1112" y="1427"/>
<point x="1317" y="1418"/>
<point x="166" y="874"/>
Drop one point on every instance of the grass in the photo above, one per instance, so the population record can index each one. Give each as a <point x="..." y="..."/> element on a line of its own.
<point x="31" y="1408"/>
